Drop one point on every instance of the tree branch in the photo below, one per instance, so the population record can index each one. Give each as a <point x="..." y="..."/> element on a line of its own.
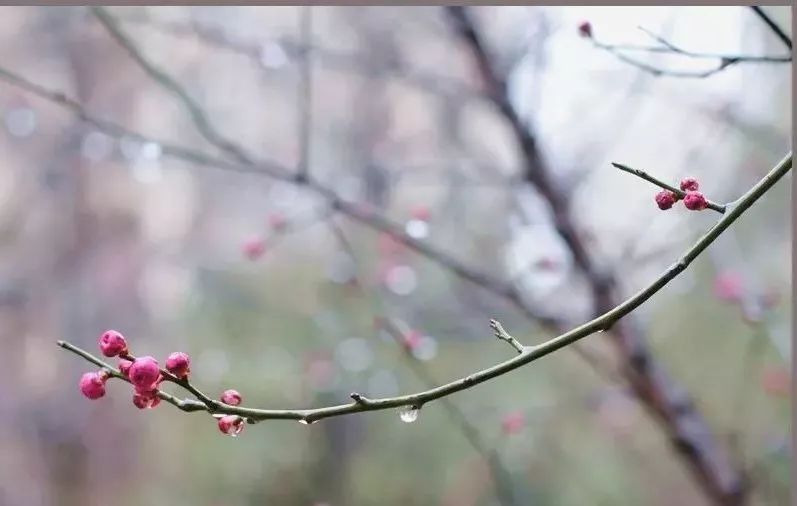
<point x="723" y="60"/>
<point x="205" y="127"/>
<point x="529" y="355"/>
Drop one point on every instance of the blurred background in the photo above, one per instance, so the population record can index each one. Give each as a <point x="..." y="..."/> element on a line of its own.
<point x="275" y="294"/>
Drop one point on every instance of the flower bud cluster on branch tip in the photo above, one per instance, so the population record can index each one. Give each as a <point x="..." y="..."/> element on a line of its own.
<point x="143" y="373"/>
<point x="693" y="199"/>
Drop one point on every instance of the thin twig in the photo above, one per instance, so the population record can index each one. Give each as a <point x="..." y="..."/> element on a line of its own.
<point x="778" y="31"/>
<point x="503" y="335"/>
<point x="661" y="184"/>
<point x="724" y="60"/>
<point x="602" y="322"/>
<point x="205" y="127"/>
<point x="428" y="82"/>
<point x="305" y="96"/>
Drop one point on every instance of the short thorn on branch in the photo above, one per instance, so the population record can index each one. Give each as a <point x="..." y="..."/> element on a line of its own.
<point x="503" y="335"/>
<point x="688" y="192"/>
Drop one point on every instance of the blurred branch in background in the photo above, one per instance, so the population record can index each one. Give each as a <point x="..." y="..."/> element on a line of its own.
<point x="666" y="47"/>
<point x="711" y="465"/>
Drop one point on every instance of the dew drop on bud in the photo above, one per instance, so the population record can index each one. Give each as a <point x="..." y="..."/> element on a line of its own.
<point x="409" y="414"/>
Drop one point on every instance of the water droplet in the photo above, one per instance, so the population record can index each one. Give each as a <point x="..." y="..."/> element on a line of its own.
<point x="231" y="425"/>
<point x="417" y="229"/>
<point x="354" y="354"/>
<point x="307" y="422"/>
<point x="20" y="122"/>
<point x="273" y="55"/>
<point x="409" y="414"/>
<point x="401" y="280"/>
<point x="96" y="146"/>
<point x="425" y="349"/>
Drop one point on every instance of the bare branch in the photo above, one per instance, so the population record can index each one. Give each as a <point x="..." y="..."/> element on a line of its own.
<point x="350" y="61"/>
<point x="723" y="61"/>
<point x="205" y="127"/>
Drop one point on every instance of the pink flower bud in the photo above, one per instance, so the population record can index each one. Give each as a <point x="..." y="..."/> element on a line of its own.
<point x="277" y="221"/>
<point x="776" y="381"/>
<point x="729" y="287"/>
<point x="389" y="244"/>
<point x="178" y="363"/>
<point x="695" y="201"/>
<point x="112" y="343"/>
<point x="254" y="248"/>
<point x="513" y="423"/>
<point x="665" y="199"/>
<point x="231" y="397"/>
<point x="585" y="29"/>
<point x="689" y="184"/>
<point x="146" y="400"/>
<point x="411" y="339"/>
<point x="124" y="366"/>
<point x="421" y="213"/>
<point x="144" y="373"/>
<point x="232" y="425"/>
<point x="92" y="385"/>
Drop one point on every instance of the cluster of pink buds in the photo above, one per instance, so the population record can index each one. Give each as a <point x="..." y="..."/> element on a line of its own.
<point x="693" y="200"/>
<point x="145" y="375"/>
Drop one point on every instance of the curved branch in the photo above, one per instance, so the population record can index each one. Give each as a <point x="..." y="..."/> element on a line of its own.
<point x="529" y="354"/>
